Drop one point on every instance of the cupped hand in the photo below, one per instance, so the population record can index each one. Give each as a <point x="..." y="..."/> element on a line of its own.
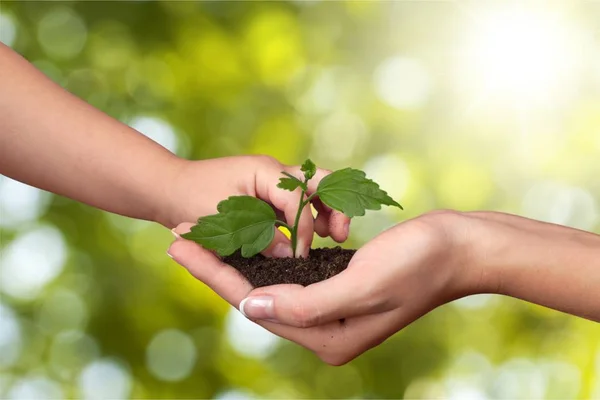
<point x="198" y="186"/>
<point x="397" y="277"/>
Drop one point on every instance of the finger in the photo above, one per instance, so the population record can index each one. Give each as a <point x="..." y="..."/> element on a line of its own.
<point x="288" y="202"/>
<point x="306" y="229"/>
<point x="182" y="228"/>
<point x="322" y="225"/>
<point x="337" y="223"/>
<point x="321" y="222"/>
<point x="338" y="343"/>
<point x="339" y="226"/>
<point x="345" y="295"/>
<point x="334" y="224"/>
<point x="223" y="279"/>
<point x="322" y="218"/>
<point x="280" y="246"/>
<point x="334" y="343"/>
<point x="321" y="207"/>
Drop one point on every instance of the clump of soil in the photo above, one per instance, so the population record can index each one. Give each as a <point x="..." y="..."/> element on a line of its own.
<point x="321" y="264"/>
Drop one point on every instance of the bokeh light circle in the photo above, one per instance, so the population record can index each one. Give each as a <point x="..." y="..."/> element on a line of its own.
<point x="20" y="203"/>
<point x="171" y="355"/>
<point x="62" y="310"/>
<point x="10" y="337"/>
<point x="70" y="351"/>
<point x="35" y="387"/>
<point x="62" y="33"/>
<point x="31" y="261"/>
<point x="158" y="130"/>
<point x="403" y="83"/>
<point x="104" y="379"/>
<point x="8" y="30"/>
<point x="248" y="338"/>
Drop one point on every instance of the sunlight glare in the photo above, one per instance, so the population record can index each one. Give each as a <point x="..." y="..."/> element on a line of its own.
<point x="523" y="55"/>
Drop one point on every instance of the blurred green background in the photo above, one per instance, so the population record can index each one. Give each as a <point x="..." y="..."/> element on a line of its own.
<point x="447" y="104"/>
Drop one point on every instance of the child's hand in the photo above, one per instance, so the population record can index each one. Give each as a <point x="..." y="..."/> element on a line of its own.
<point x="198" y="186"/>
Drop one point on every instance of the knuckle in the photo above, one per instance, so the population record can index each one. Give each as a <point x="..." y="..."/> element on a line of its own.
<point x="178" y="249"/>
<point x="442" y="218"/>
<point x="267" y="160"/>
<point x="302" y="316"/>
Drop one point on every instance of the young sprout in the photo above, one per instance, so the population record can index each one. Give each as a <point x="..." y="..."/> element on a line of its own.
<point x="248" y="223"/>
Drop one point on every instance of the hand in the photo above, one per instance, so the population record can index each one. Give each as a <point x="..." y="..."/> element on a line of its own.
<point x="198" y="186"/>
<point x="411" y="269"/>
<point x="396" y="278"/>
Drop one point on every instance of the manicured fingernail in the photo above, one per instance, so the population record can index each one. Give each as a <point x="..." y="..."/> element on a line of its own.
<point x="347" y="228"/>
<point x="258" y="308"/>
<point x="282" y="250"/>
<point x="175" y="233"/>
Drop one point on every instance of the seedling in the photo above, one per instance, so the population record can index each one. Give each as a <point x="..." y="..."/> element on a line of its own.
<point x="249" y="223"/>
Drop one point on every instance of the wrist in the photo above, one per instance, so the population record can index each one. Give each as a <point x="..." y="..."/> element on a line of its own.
<point x="537" y="261"/>
<point x="457" y="265"/>
<point x="478" y="245"/>
<point x="165" y="200"/>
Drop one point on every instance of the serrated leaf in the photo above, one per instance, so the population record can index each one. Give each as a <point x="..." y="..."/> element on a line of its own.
<point x="351" y="192"/>
<point x="290" y="183"/>
<point x="309" y="168"/>
<point x="242" y="222"/>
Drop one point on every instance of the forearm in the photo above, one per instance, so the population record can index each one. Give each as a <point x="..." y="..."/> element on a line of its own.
<point x="53" y="140"/>
<point x="546" y="264"/>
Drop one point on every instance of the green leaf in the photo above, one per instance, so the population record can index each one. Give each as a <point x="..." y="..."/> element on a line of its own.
<point x="291" y="183"/>
<point x="242" y="221"/>
<point x="309" y="168"/>
<point x="349" y="191"/>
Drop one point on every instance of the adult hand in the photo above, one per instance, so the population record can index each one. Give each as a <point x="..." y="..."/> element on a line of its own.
<point x="411" y="269"/>
<point x="198" y="186"/>
<point x="399" y="276"/>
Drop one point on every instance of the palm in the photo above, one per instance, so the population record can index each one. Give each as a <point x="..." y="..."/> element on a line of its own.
<point x="393" y="280"/>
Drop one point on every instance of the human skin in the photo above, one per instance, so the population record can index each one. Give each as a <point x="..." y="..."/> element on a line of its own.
<point x="53" y="140"/>
<point x="411" y="269"/>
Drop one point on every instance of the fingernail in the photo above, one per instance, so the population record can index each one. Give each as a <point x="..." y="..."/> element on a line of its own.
<point x="175" y="233"/>
<point x="282" y="250"/>
<point x="258" y="308"/>
<point x="347" y="228"/>
<point x="169" y="254"/>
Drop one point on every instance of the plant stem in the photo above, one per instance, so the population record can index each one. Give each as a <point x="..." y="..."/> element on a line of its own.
<point x="289" y="228"/>
<point x="309" y="198"/>
<point x="294" y="231"/>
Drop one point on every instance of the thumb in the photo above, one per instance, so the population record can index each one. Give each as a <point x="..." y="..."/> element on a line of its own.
<point x="342" y="296"/>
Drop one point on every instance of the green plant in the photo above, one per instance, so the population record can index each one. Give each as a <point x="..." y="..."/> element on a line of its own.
<point x="248" y="223"/>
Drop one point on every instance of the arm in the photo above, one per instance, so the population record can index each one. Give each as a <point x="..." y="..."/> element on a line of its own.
<point x="547" y="264"/>
<point x="54" y="141"/>
<point x="410" y="270"/>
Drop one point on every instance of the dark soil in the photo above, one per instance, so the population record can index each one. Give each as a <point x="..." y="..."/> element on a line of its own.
<point x="321" y="264"/>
